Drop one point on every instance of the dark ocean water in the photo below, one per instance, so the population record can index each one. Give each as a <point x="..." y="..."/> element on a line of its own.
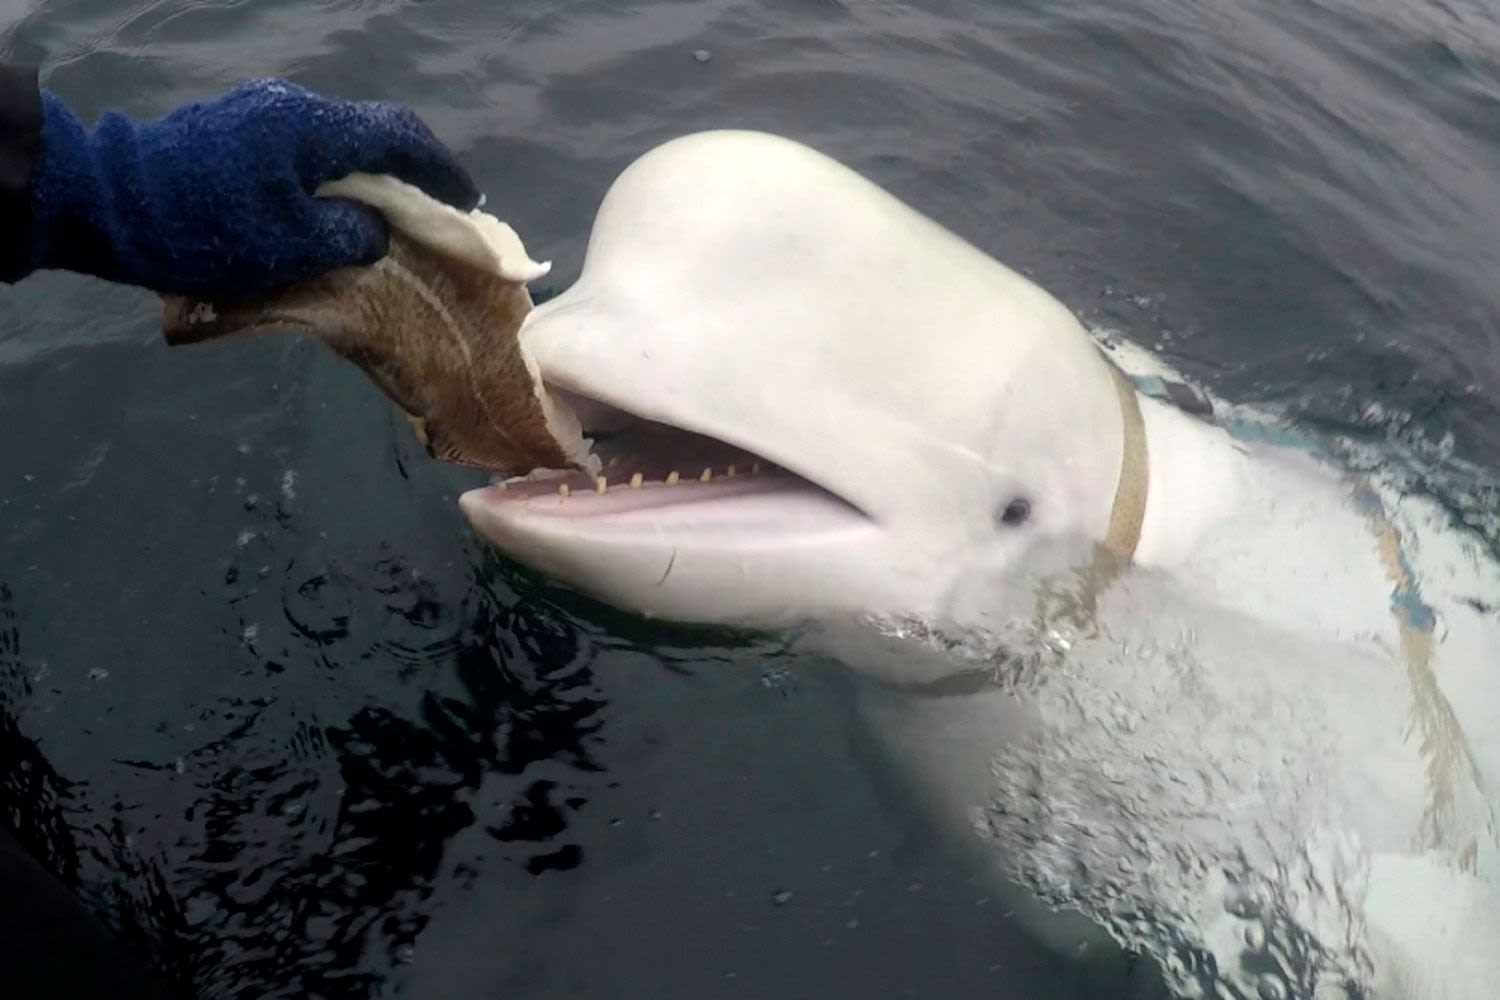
<point x="281" y="718"/>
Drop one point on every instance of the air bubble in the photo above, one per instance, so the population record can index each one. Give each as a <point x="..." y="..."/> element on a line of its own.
<point x="1270" y="988"/>
<point x="1255" y="937"/>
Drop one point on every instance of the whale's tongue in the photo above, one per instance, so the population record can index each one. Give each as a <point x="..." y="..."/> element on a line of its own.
<point x="434" y="324"/>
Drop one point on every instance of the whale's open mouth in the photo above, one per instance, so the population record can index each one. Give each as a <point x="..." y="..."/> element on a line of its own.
<point x="652" y="474"/>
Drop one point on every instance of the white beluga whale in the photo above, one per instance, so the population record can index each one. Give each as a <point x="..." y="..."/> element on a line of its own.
<point x="1191" y="688"/>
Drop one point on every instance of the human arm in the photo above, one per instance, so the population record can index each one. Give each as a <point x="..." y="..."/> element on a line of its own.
<point x="212" y="198"/>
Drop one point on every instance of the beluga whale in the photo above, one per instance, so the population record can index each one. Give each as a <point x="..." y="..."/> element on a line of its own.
<point x="1191" y="687"/>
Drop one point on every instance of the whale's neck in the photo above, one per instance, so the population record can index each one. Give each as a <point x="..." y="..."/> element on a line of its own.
<point x="1197" y="478"/>
<point x="1261" y="528"/>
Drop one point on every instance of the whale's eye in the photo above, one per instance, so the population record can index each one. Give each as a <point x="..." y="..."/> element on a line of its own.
<point x="1016" y="513"/>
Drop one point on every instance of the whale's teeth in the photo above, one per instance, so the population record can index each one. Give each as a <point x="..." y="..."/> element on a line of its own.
<point x="563" y="490"/>
<point x="731" y="472"/>
<point x="708" y="475"/>
<point x="636" y="480"/>
<point x="672" y="478"/>
<point x="600" y="484"/>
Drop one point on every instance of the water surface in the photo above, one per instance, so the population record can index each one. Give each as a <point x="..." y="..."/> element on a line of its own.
<point x="280" y="717"/>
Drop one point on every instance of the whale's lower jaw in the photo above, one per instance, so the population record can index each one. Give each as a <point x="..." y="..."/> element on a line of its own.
<point x="672" y="552"/>
<point x="744" y="514"/>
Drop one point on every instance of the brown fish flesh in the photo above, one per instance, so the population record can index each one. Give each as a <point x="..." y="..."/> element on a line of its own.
<point x="437" y="334"/>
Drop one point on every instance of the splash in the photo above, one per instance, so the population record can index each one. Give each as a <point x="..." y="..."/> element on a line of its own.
<point x="1175" y="795"/>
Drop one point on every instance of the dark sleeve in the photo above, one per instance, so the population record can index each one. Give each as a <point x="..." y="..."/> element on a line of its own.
<point x="20" y="137"/>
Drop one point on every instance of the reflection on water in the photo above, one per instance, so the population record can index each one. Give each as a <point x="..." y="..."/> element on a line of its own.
<point x="31" y="792"/>
<point x="305" y="849"/>
<point x="347" y="825"/>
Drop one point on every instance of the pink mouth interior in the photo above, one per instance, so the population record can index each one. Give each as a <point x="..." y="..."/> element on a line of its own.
<point x="647" y="466"/>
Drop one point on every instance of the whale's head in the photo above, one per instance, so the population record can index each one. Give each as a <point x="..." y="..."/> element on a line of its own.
<point x="808" y="400"/>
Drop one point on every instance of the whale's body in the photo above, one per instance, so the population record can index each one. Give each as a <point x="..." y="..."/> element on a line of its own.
<point x="1259" y="754"/>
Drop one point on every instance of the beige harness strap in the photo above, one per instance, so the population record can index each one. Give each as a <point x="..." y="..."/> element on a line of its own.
<point x="1129" y="511"/>
<point x="1077" y="602"/>
<point x="1449" y="758"/>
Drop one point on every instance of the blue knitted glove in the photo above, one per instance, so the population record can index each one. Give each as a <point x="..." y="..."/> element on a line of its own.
<point x="217" y="198"/>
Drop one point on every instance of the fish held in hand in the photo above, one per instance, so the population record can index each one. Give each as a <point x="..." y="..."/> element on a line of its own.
<point x="434" y="324"/>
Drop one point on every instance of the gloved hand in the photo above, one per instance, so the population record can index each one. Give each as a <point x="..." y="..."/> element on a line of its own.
<point x="217" y="198"/>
